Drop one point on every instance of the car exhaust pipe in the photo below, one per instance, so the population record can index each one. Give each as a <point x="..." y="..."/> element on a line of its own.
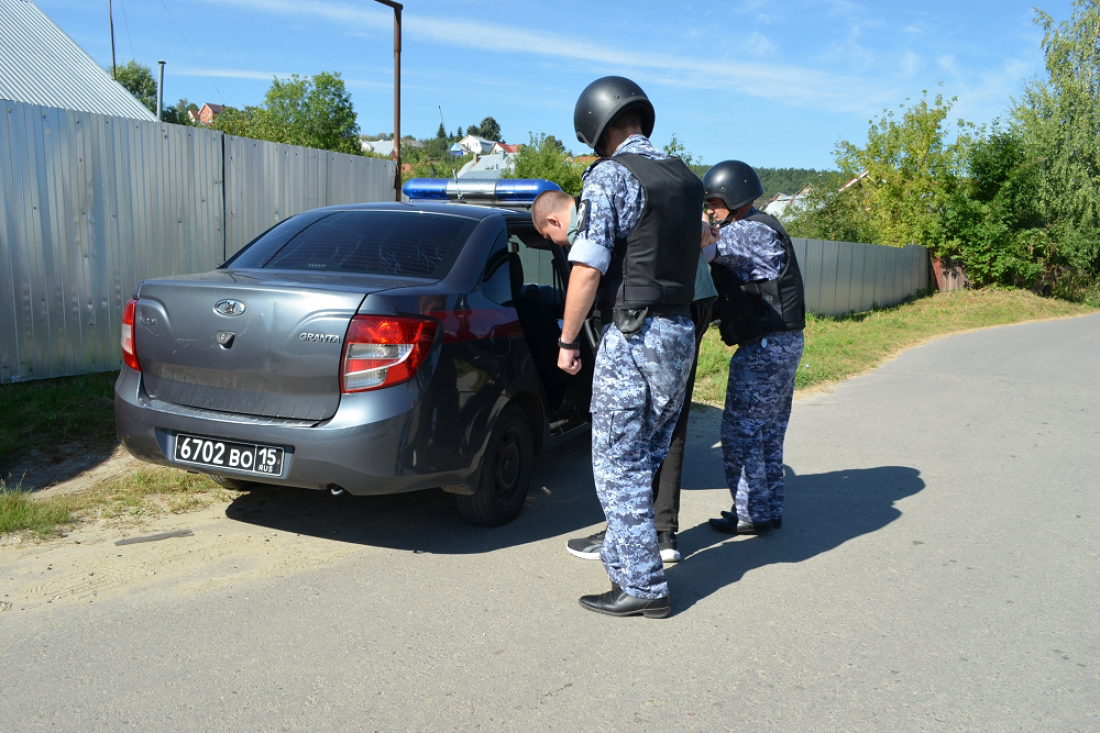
<point x="336" y="490"/>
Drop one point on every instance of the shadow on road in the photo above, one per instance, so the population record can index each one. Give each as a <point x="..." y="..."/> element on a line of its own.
<point x="562" y="499"/>
<point x="823" y="511"/>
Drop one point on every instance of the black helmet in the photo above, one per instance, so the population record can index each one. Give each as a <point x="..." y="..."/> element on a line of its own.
<point x="734" y="182"/>
<point x="605" y="99"/>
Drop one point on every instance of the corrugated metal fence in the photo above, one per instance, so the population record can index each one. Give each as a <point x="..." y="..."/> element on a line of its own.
<point x="839" y="277"/>
<point x="91" y="205"/>
<point x="843" y="277"/>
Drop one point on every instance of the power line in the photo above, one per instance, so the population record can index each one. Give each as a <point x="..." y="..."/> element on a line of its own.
<point x="204" y="71"/>
<point x="133" y="56"/>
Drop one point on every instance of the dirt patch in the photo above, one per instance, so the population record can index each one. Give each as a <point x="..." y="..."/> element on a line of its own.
<point x="81" y="469"/>
<point x="86" y="566"/>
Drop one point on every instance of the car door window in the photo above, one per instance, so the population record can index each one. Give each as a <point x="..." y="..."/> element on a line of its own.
<point x="496" y="281"/>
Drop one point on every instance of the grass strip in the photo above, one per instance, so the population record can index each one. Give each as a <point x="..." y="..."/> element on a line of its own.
<point x="146" y="494"/>
<point x="19" y="512"/>
<point x="839" y="348"/>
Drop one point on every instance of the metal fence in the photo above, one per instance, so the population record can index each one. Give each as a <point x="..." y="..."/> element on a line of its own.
<point x="839" y="277"/>
<point x="843" y="277"/>
<point x="90" y="205"/>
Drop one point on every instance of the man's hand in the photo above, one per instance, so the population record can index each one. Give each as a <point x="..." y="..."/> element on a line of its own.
<point x="569" y="360"/>
<point x="711" y="233"/>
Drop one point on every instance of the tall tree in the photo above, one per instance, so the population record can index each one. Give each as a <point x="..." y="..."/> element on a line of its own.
<point x="313" y="112"/>
<point x="489" y="129"/>
<point x="139" y="81"/>
<point x="1060" y="119"/>
<point x="912" y="170"/>
<point x="544" y="158"/>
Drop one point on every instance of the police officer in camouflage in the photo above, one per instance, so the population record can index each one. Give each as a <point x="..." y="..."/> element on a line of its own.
<point x="635" y="239"/>
<point x="761" y="309"/>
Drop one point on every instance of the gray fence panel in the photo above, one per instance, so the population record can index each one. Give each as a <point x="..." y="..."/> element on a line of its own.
<point x="844" y="277"/>
<point x="267" y="182"/>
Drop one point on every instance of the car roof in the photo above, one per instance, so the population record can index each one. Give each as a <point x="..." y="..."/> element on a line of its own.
<point x="468" y="210"/>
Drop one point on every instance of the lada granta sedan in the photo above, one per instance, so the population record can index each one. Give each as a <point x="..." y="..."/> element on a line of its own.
<point x="371" y="348"/>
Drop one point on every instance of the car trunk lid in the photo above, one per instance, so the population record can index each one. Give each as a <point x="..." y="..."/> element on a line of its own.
<point x="249" y="344"/>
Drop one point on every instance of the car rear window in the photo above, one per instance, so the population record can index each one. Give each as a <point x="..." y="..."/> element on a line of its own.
<point x="402" y="243"/>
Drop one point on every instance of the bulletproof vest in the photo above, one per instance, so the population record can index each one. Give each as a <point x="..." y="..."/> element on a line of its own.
<point x="654" y="265"/>
<point x="749" y="310"/>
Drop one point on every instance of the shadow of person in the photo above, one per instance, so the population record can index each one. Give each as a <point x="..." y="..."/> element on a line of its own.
<point x="822" y="512"/>
<point x="561" y="499"/>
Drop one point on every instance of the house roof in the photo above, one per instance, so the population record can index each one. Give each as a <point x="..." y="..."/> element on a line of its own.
<point x="487" y="166"/>
<point x="215" y="108"/>
<point x="507" y="148"/>
<point x="40" y="64"/>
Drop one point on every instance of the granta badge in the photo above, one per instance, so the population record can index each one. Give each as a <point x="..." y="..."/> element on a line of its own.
<point x="229" y="307"/>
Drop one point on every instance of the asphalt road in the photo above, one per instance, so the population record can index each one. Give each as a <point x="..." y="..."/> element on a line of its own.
<point x="938" y="570"/>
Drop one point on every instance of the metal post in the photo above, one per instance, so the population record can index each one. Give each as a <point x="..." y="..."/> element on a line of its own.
<point x="160" y="93"/>
<point x="114" y="66"/>
<point x="397" y="8"/>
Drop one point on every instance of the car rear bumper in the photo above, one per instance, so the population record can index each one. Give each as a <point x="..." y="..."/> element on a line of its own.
<point x="380" y="442"/>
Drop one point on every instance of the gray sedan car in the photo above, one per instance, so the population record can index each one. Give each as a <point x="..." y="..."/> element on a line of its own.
<point x="372" y="349"/>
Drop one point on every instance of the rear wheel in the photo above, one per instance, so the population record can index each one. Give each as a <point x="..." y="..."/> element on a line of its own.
<point x="505" y="472"/>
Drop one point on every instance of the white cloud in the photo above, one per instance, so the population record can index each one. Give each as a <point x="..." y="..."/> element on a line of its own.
<point x="910" y="62"/>
<point x="797" y="85"/>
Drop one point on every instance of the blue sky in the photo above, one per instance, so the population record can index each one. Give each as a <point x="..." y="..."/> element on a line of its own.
<point x="772" y="83"/>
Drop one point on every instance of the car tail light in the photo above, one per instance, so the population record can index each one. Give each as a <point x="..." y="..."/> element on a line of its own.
<point x="129" y="351"/>
<point x="381" y="351"/>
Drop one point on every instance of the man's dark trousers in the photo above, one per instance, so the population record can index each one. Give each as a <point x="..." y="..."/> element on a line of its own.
<point x="666" y="482"/>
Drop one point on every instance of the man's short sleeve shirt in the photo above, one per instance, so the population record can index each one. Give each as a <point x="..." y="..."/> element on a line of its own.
<point x="615" y="201"/>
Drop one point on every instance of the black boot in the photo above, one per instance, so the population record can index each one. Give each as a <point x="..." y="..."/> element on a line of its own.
<point x="730" y="524"/>
<point x="777" y="522"/>
<point x="617" y="602"/>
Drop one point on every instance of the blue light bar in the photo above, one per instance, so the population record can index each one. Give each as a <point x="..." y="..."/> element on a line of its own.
<point x="432" y="189"/>
<point x="504" y="192"/>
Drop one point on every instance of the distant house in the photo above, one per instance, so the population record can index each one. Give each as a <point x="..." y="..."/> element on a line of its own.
<point x="504" y="148"/>
<point x="210" y="112"/>
<point x="491" y="166"/>
<point x="782" y="204"/>
<point x="457" y="150"/>
<point x="477" y="145"/>
<point x="385" y="147"/>
<point x="40" y="64"/>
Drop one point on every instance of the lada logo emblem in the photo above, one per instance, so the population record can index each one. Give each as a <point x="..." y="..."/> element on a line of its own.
<point x="229" y="307"/>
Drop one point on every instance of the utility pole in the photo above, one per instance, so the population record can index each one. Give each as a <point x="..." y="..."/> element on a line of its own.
<point x="160" y="93"/>
<point x="397" y="8"/>
<point x="114" y="67"/>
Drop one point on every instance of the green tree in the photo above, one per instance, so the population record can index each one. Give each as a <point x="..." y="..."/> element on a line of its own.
<point x="912" y="171"/>
<point x="489" y="129"/>
<point x="1059" y="120"/>
<point x="178" y="114"/>
<point x="441" y="133"/>
<point x="542" y="158"/>
<point x="315" y="113"/>
<point x="676" y="149"/>
<point x="139" y="81"/>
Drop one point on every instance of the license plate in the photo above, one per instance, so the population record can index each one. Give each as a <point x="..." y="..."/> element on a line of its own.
<point x="262" y="459"/>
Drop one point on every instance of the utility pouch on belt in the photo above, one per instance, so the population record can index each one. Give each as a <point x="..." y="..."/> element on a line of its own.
<point x="630" y="320"/>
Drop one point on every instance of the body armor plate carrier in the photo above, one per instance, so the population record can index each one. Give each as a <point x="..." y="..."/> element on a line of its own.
<point x="654" y="267"/>
<point x="749" y="310"/>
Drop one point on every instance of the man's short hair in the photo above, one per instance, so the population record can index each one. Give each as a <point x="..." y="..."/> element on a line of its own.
<point x="629" y="117"/>
<point x="546" y="202"/>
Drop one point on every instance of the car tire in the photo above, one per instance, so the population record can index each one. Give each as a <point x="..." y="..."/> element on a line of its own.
<point x="505" y="474"/>
<point x="236" y="484"/>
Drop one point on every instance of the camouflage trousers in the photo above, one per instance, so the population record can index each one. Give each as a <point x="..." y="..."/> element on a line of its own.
<point x="754" y="423"/>
<point x="637" y="391"/>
